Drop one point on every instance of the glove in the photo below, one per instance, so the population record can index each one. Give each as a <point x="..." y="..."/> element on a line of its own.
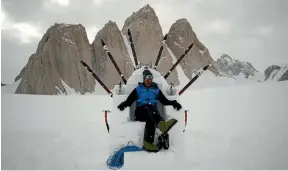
<point x="176" y="105"/>
<point x="122" y="106"/>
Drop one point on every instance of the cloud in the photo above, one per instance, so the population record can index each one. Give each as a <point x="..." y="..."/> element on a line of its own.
<point x="26" y="32"/>
<point x="263" y="30"/>
<point x="3" y="17"/>
<point x="23" y="32"/>
<point x="162" y="11"/>
<point x="97" y="2"/>
<point x="101" y="2"/>
<point x="60" y="2"/>
<point x="51" y="4"/>
<point x="14" y="57"/>
<point x="91" y="32"/>
<point x="221" y="27"/>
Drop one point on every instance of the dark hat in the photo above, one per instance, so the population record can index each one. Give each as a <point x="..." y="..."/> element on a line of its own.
<point x="146" y="73"/>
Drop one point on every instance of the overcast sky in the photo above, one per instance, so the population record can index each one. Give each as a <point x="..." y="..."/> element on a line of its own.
<point x="249" y="30"/>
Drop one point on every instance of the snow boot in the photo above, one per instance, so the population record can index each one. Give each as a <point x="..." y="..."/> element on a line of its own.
<point x="165" y="126"/>
<point x="150" y="147"/>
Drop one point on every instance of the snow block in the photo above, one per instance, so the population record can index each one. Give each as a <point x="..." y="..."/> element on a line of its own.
<point x="124" y="130"/>
<point x="156" y="161"/>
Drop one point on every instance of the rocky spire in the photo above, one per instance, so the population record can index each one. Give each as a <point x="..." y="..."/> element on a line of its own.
<point x="276" y="72"/>
<point x="147" y="36"/>
<point x="57" y="62"/>
<point x="180" y="36"/>
<point x="235" y="67"/>
<point x="102" y="64"/>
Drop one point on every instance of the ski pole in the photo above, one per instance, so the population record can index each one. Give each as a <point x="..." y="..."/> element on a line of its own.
<point x="185" y="119"/>
<point x="105" y="116"/>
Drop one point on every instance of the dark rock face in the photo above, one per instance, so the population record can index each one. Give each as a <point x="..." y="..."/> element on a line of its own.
<point x="235" y="67"/>
<point x="180" y="36"/>
<point x="56" y="62"/>
<point x="147" y="36"/>
<point x="102" y="64"/>
<point x="58" y="59"/>
<point x="276" y="72"/>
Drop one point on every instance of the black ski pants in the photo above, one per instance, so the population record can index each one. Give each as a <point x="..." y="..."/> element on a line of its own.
<point x="150" y="115"/>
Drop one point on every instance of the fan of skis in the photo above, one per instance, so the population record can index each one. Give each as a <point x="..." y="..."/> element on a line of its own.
<point x="137" y="65"/>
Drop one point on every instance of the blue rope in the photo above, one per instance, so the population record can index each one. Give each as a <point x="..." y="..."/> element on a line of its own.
<point x="116" y="161"/>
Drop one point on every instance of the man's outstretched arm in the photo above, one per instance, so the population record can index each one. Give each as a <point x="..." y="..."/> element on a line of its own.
<point x="163" y="99"/>
<point x="131" y="98"/>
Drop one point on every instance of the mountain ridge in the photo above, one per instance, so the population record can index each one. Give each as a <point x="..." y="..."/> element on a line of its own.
<point x="57" y="57"/>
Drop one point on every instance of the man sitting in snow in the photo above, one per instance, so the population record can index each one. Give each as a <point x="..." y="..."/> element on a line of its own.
<point x="146" y="95"/>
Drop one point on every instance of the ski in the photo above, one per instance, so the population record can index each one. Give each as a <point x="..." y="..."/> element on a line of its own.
<point x="113" y="61"/>
<point x="163" y="139"/>
<point x="133" y="48"/>
<point x="160" y="51"/>
<point x="179" y="60"/>
<point x="198" y="74"/>
<point x="97" y="78"/>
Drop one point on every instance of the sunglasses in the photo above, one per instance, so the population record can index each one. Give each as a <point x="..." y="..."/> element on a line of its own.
<point x="148" y="77"/>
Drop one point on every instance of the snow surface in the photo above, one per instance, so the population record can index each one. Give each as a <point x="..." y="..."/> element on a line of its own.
<point x="209" y="80"/>
<point x="236" y="127"/>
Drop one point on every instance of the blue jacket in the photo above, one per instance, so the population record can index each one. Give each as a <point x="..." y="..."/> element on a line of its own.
<point x="147" y="95"/>
<point x="144" y="95"/>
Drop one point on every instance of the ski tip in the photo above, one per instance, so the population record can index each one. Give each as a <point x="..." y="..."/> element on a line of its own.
<point x="83" y="63"/>
<point x="207" y="66"/>
<point x="191" y="45"/>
